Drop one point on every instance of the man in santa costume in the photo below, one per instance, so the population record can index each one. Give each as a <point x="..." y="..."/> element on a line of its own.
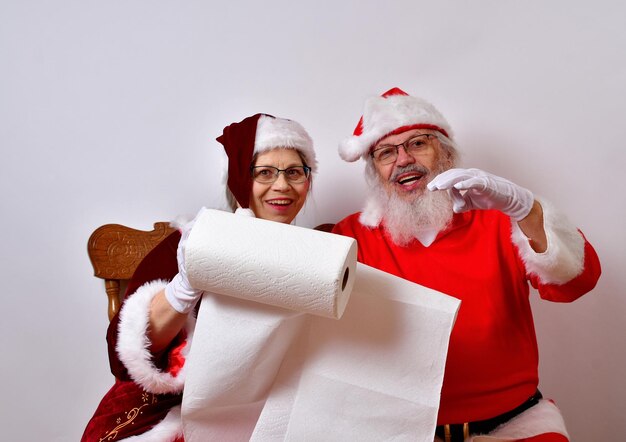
<point x="479" y="238"/>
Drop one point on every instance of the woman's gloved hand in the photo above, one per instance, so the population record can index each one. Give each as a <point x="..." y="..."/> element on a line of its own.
<point x="179" y="293"/>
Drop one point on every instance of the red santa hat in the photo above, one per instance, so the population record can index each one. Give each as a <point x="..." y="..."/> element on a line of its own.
<point x="257" y="134"/>
<point x="393" y="112"/>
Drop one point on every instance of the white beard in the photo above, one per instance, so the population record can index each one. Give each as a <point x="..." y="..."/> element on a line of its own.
<point x="407" y="219"/>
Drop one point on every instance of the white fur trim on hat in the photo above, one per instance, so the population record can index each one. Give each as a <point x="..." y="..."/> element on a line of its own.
<point x="564" y="258"/>
<point x="279" y="132"/>
<point x="133" y="344"/>
<point x="383" y="115"/>
<point x="168" y="430"/>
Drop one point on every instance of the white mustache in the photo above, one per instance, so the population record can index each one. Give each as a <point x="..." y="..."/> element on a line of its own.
<point x="405" y="169"/>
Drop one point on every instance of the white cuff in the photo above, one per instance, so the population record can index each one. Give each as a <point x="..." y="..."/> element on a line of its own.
<point x="564" y="258"/>
<point x="133" y="344"/>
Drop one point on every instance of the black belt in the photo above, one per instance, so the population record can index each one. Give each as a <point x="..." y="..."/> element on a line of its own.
<point x="458" y="432"/>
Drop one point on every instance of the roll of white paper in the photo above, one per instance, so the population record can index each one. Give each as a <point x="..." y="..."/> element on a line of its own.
<point x="272" y="263"/>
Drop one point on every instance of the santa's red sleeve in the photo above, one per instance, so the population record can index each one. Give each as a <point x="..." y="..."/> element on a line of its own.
<point x="569" y="267"/>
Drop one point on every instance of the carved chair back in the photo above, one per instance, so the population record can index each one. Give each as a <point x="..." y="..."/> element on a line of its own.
<point x="115" y="252"/>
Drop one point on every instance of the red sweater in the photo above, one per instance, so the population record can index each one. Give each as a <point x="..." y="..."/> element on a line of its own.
<point x="492" y="358"/>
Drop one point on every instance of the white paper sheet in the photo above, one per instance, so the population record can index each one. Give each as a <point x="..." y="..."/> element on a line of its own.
<point x="237" y="350"/>
<point x="268" y="374"/>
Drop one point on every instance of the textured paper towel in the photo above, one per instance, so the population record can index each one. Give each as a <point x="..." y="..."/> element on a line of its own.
<point x="237" y="350"/>
<point x="268" y="374"/>
<point x="375" y="375"/>
<point x="271" y="263"/>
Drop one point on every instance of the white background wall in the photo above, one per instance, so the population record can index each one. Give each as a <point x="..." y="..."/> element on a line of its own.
<point x="109" y="110"/>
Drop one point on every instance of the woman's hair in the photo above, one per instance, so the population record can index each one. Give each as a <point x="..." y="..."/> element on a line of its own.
<point x="230" y="200"/>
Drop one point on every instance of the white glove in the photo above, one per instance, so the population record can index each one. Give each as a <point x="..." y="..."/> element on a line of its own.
<point x="179" y="293"/>
<point x="476" y="189"/>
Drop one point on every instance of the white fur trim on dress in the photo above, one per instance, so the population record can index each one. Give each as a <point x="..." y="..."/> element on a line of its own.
<point x="133" y="343"/>
<point x="564" y="258"/>
<point x="168" y="430"/>
<point x="182" y="222"/>
<point x="245" y="212"/>
<point x="382" y="116"/>
<point x="280" y="132"/>
<point x="543" y="418"/>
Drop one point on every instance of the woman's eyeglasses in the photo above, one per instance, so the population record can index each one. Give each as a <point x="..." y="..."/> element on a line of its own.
<point x="269" y="174"/>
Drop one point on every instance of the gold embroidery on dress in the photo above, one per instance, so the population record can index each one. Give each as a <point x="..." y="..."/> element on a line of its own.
<point x="145" y="396"/>
<point x="148" y="399"/>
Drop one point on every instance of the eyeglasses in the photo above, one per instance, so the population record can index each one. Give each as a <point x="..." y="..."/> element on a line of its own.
<point x="388" y="153"/>
<point x="269" y="174"/>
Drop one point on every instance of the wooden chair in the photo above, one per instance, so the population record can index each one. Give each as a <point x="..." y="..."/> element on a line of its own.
<point x="115" y="252"/>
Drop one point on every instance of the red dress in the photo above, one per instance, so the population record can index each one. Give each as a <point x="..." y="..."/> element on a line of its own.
<point x="131" y="407"/>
